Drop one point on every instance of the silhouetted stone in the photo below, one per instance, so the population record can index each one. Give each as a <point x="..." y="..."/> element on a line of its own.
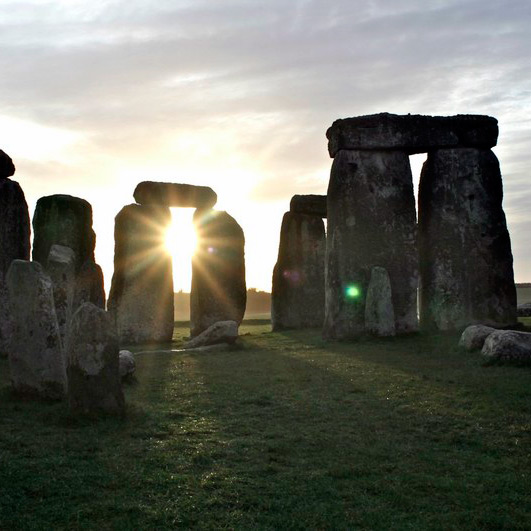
<point x="36" y="359"/>
<point x="175" y="195"/>
<point x="297" y="296"/>
<point x="411" y="133"/>
<point x="89" y="285"/>
<point x="466" y="264"/>
<point x="371" y="222"/>
<point x="218" y="271"/>
<point x="507" y="346"/>
<point x="313" y="205"/>
<point x="7" y="168"/>
<point x="473" y="337"/>
<point x="220" y="332"/>
<point x="63" y="220"/>
<point x="93" y="367"/>
<point x="14" y="245"/>
<point x="127" y="364"/>
<point x="141" y="296"/>
<point x="379" y="312"/>
<point x="61" y="266"/>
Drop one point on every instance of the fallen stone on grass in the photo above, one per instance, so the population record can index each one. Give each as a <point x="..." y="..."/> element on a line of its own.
<point x="220" y="332"/>
<point x="127" y="364"/>
<point x="524" y="310"/>
<point x="508" y="346"/>
<point x="473" y="337"/>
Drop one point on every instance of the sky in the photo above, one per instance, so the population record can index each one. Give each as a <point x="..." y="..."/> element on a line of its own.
<point x="96" y="96"/>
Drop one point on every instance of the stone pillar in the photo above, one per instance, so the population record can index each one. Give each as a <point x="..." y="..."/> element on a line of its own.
<point x="141" y="296"/>
<point x="466" y="264"/>
<point x="14" y="239"/>
<point x="371" y="222"/>
<point x="63" y="220"/>
<point x="297" y="296"/>
<point x="219" y="291"/>
<point x="36" y="358"/>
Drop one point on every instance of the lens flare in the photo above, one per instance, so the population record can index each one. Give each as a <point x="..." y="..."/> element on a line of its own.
<point x="352" y="291"/>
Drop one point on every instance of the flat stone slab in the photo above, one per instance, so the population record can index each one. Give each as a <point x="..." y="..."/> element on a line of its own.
<point x="412" y="133"/>
<point x="312" y="205"/>
<point x="175" y="195"/>
<point x="220" y="332"/>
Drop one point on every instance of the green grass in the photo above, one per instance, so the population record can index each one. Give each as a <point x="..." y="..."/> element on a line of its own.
<point x="287" y="433"/>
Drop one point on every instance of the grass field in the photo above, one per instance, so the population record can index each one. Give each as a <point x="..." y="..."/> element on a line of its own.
<point x="286" y="433"/>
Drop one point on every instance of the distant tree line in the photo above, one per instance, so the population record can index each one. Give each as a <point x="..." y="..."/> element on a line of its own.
<point x="258" y="305"/>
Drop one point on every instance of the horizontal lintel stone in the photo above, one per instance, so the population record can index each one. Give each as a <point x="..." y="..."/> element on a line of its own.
<point x="175" y="195"/>
<point x="412" y="133"/>
<point x="313" y="205"/>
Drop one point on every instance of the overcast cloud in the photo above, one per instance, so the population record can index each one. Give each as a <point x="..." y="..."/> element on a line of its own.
<point x="250" y="87"/>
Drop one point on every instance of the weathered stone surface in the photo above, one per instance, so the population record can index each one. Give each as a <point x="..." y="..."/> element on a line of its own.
<point x="412" y="133"/>
<point x="524" y="310"/>
<point x="89" y="285"/>
<point x="220" y="332"/>
<point x="93" y="366"/>
<point x="379" y="311"/>
<point x="297" y="296"/>
<point x="371" y="222"/>
<point x="313" y="205"/>
<point x="175" y="195"/>
<point x="61" y="266"/>
<point x="127" y="364"/>
<point x="507" y="346"/>
<point x="141" y="296"/>
<point x="218" y="271"/>
<point x="63" y="220"/>
<point x="7" y="168"/>
<point x="466" y="264"/>
<point x="36" y="358"/>
<point x="14" y="244"/>
<point x="473" y="337"/>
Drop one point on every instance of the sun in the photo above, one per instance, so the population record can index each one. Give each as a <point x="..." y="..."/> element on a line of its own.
<point x="181" y="243"/>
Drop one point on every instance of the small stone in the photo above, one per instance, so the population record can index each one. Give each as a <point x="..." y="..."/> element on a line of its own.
<point x="127" y="364"/>
<point x="175" y="195"/>
<point x="524" y="310"/>
<point x="92" y="363"/>
<point x="36" y="358"/>
<point x="379" y="312"/>
<point x="220" y="332"/>
<point x="312" y="205"/>
<point x="7" y="168"/>
<point x="507" y="346"/>
<point x="473" y="337"/>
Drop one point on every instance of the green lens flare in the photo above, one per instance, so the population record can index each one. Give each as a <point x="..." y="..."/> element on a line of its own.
<point x="352" y="292"/>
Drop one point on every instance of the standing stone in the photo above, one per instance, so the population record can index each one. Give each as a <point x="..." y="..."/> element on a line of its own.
<point x="63" y="220"/>
<point x="61" y="268"/>
<point x="371" y="222"/>
<point x="93" y="367"/>
<point x="466" y="264"/>
<point x="89" y="285"/>
<point x="36" y="358"/>
<point x="141" y="296"/>
<point x="218" y="271"/>
<point x="14" y="239"/>
<point x="379" y="311"/>
<point x="297" y="296"/>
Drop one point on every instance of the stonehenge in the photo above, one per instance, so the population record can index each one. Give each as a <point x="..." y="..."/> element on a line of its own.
<point x="463" y="251"/>
<point x="141" y="296"/>
<point x="297" y="294"/>
<point x="219" y="291"/>
<point x="174" y="195"/>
